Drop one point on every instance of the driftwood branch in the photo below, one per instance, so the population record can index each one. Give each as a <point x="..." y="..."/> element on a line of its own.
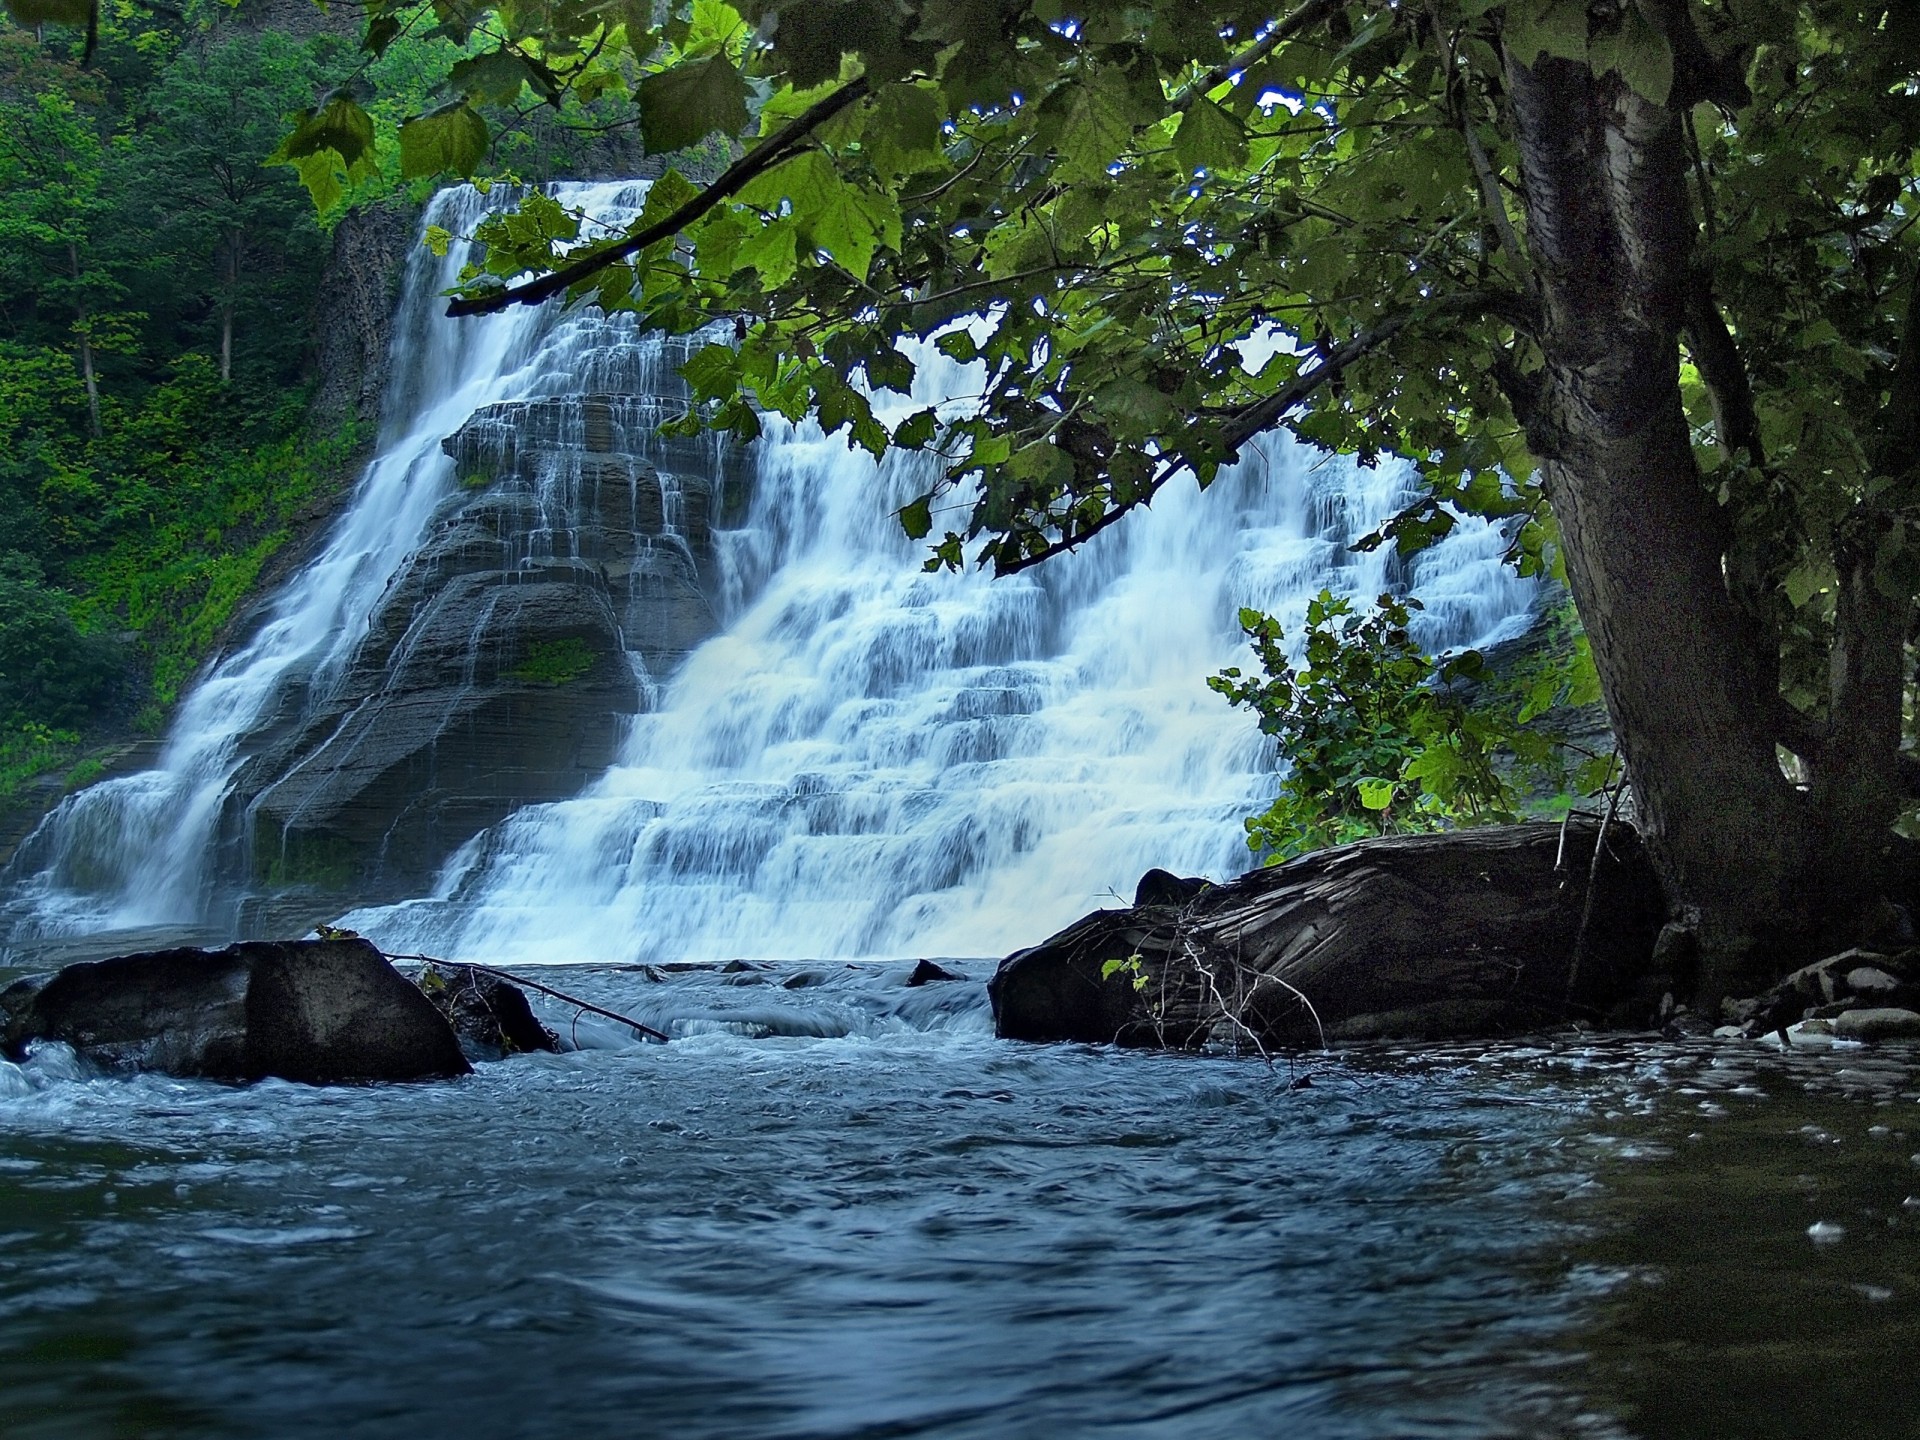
<point x="587" y="1005"/>
<point x="1404" y="937"/>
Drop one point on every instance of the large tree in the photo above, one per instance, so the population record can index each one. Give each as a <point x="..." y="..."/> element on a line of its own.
<point x="1637" y="274"/>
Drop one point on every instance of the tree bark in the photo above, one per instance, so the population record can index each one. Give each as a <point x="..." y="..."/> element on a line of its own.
<point x="226" y="307"/>
<point x="81" y="318"/>
<point x="1684" y="669"/>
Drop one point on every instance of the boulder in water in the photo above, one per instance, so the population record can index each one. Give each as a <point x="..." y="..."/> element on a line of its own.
<point x="490" y="1017"/>
<point x="318" y="1011"/>
<point x="1405" y="937"/>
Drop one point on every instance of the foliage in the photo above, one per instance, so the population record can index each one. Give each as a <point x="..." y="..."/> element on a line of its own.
<point x="51" y="675"/>
<point x="1120" y="209"/>
<point x="1375" y="736"/>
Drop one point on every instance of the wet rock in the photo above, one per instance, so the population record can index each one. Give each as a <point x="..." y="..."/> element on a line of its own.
<point x="1877" y="1023"/>
<point x="1870" y="980"/>
<point x="926" y="973"/>
<point x="317" y="1011"/>
<point x="490" y="1017"/>
<point x="497" y="671"/>
<point x="1163" y="887"/>
<point x="1406" y="937"/>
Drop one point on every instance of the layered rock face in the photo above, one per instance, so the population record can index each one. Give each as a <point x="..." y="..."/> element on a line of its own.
<point x="570" y="570"/>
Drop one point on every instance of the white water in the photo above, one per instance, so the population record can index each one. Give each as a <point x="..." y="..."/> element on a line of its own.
<point x="869" y="760"/>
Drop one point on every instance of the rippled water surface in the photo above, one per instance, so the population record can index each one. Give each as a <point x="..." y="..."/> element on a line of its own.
<point x="836" y="1206"/>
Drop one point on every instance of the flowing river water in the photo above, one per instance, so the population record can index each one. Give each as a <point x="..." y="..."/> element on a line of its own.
<point x="836" y="1206"/>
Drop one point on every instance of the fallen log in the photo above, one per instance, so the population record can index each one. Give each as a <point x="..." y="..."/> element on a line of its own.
<point x="1418" y="937"/>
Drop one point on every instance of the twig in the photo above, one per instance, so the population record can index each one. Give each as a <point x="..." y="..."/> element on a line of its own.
<point x="1593" y="875"/>
<point x="587" y="1005"/>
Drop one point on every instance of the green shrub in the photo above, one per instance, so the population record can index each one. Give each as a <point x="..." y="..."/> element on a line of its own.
<point x="1377" y="737"/>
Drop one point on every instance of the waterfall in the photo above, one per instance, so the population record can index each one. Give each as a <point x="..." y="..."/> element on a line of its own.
<point x="140" y="850"/>
<point x="867" y="759"/>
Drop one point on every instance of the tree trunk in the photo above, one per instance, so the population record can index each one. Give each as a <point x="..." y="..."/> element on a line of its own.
<point x="80" y="332"/>
<point x="1685" y="670"/>
<point x="1413" y="937"/>
<point x="226" y="307"/>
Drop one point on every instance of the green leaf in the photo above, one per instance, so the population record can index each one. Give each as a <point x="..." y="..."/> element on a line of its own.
<point x="437" y="238"/>
<point x="712" y="371"/>
<point x="958" y="345"/>
<point x="904" y="135"/>
<point x="451" y="138"/>
<point x="770" y="250"/>
<point x="382" y="31"/>
<point x="495" y="78"/>
<point x="1640" y="55"/>
<point x="1209" y="138"/>
<point x="339" y="125"/>
<point x="915" y="431"/>
<point x="681" y="106"/>
<point x="849" y="222"/>
<point x="1377" y="794"/>
<point x="1098" y="127"/>
<point x="1545" y="27"/>
<point x="917" y="518"/>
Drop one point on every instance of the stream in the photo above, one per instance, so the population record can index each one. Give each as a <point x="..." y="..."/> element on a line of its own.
<point x="836" y="1206"/>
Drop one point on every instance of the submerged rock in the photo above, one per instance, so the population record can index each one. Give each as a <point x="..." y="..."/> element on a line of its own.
<point x="317" y="1011"/>
<point x="927" y="973"/>
<point x="490" y="1017"/>
<point x="1409" y="937"/>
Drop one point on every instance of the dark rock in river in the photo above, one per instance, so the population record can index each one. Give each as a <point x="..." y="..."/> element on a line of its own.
<point x="490" y="1016"/>
<point x="1407" y="937"/>
<point x="318" y="1011"/>
<point x="1163" y="887"/>
<point x="927" y="973"/>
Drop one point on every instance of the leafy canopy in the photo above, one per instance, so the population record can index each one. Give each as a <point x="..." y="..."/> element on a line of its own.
<point x="1138" y="196"/>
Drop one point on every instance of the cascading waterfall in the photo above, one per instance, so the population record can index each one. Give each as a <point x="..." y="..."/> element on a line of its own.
<point x="140" y="850"/>
<point x="876" y="761"/>
<point x="868" y="760"/>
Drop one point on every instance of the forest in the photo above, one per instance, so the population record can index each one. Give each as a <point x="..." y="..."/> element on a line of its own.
<point x="165" y="427"/>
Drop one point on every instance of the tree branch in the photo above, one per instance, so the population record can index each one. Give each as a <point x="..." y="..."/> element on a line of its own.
<point x="1265" y="413"/>
<point x="1283" y="30"/>
<point x="779" y="146"/>
<point x="1899" y="416"/>
<point x="1718" y="360"/>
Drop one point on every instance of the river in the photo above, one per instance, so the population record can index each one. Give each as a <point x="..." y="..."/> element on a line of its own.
<point x="836" y="1206"/>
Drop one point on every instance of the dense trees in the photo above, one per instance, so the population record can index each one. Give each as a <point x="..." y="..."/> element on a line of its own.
<point x="161" y="284"/>
<point x="1637" y="274"/>
<point x="149" y="423"/>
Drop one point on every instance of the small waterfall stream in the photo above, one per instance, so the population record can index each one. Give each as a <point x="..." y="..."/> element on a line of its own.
<point x="867" y="760"/>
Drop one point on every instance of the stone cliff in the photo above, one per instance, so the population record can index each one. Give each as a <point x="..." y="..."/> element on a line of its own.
<point x="569" y="572"/>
